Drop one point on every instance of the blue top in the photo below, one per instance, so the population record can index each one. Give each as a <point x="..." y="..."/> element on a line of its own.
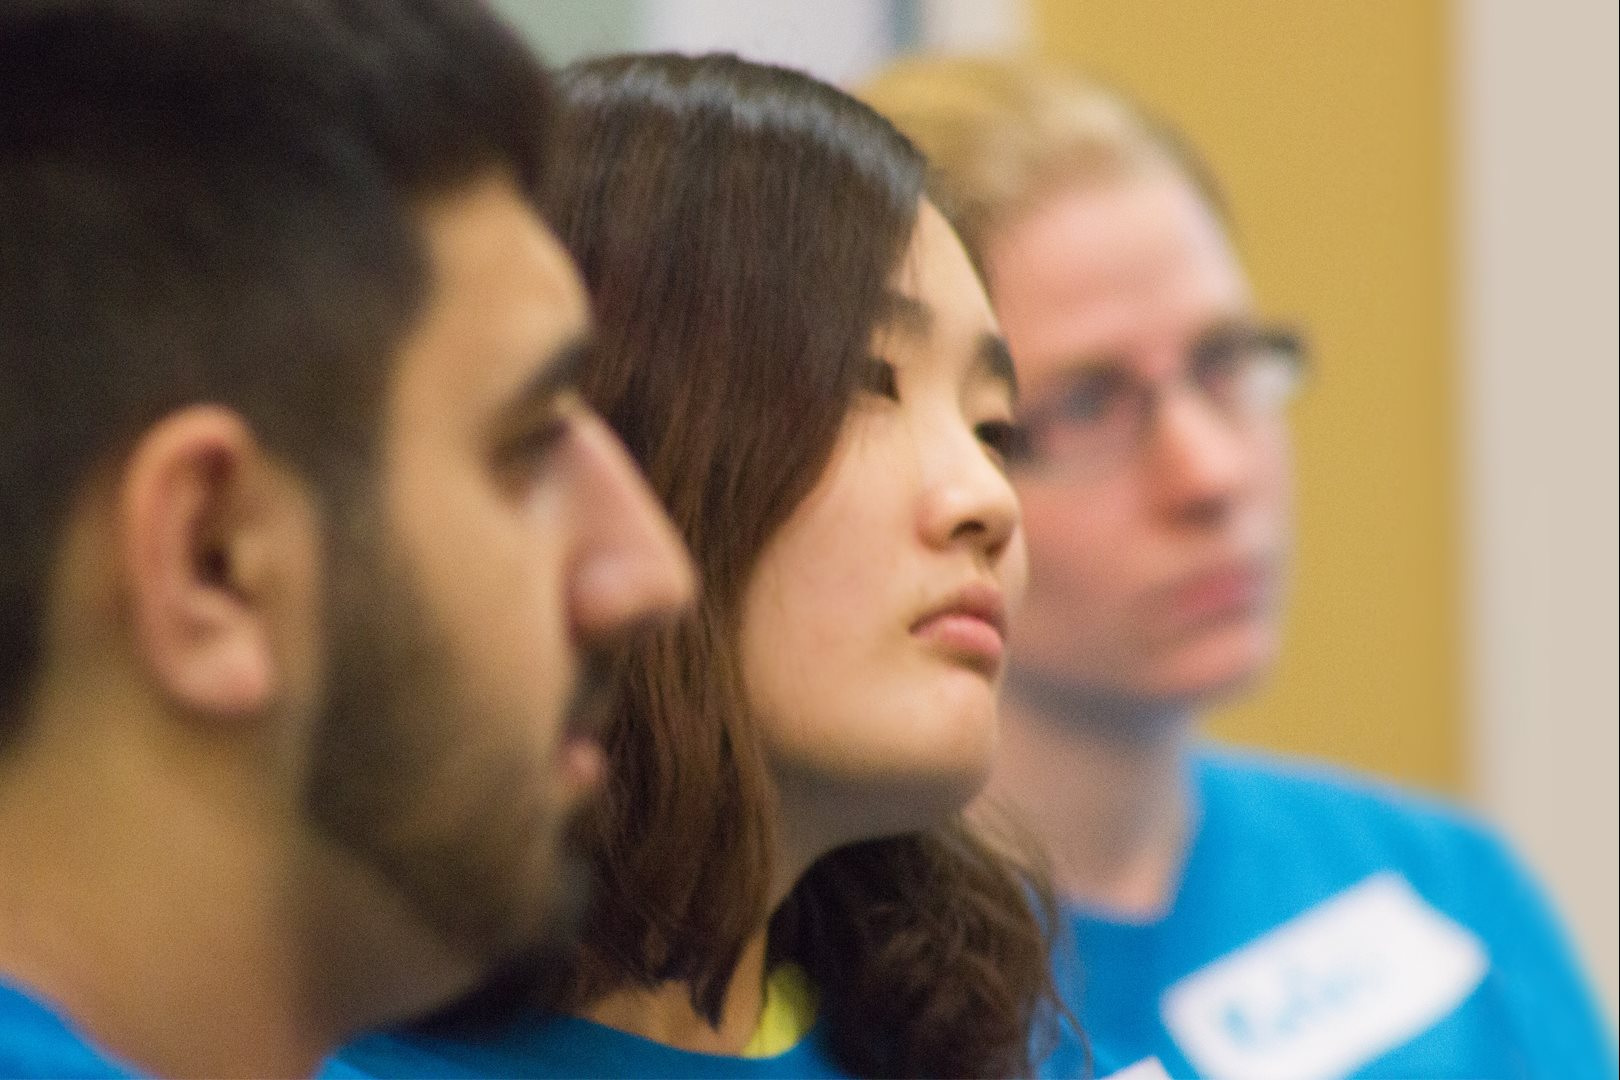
<point x="1326" y="926"/>
<point x="37" y="1041"/>
<point x="565" y="1046"/>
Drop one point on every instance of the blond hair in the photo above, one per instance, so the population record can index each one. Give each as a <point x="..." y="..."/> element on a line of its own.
<point x="1001" y="136"/>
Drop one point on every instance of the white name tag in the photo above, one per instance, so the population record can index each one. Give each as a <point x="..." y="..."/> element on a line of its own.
<point x="1327" y="991"/>
<point x="1146" y="1069"/>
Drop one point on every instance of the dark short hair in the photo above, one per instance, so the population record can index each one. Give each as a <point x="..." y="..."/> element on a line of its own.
<point x="220" y="202"/>
<point x="737" y="226"/>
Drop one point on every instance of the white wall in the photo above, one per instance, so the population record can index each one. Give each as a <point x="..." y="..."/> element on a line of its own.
<point x="839" y="40"/>
<point x="1536" y="100"/>
<point x="976" y="26"/>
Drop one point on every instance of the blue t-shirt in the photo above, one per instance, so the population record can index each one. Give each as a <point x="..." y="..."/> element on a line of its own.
<point x="36" y="1041"/>
<point x="1326" y="926"/>
<point x="566" y="1046"/>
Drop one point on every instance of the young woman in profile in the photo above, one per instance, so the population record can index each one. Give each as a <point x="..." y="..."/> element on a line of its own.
<point x="796" y="349"/>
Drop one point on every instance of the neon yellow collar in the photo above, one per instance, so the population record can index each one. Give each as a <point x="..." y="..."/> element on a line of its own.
<point x="788" y="1015"/>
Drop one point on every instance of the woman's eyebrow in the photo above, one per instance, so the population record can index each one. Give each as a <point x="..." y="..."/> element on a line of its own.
<point x="914" y="318"/>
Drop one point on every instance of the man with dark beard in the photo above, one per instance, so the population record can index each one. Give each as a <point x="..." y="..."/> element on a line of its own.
<point x="304" y="536"/>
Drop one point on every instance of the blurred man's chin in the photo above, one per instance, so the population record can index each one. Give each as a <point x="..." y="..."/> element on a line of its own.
<point x="525" y="978"/>
<point x="1224" y="668"/>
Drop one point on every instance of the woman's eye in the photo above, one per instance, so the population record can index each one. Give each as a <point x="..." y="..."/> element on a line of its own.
<point x="881" y="379"/>
<point x="1007" y="441"/>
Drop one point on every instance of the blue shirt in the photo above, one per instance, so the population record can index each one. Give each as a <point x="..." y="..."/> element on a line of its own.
<point x="1326" y="926"/>
<point x="565" y="1046"/>
<point x="37" y="1041"/>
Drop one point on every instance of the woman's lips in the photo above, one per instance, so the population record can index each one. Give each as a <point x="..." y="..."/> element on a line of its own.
<point x="963" y="633"/>
<point x="969" y="625"/>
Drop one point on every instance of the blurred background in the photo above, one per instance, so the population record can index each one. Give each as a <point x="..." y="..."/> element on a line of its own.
<point x="1431" y="188"/>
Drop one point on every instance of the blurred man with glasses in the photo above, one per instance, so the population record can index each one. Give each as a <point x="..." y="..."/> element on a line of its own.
<point x="1233" y="916"/>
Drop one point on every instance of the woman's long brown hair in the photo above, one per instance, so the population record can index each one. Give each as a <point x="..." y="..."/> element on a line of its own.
<point x="736" y="225"/>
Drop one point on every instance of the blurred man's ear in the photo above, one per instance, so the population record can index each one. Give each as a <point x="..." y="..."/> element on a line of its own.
<point x="218" y="549"/>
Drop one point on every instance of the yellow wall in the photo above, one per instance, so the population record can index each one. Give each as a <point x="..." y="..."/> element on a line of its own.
<point x="1327" y="122"/>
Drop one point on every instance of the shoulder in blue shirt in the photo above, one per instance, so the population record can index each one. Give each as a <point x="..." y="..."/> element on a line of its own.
<point x="36" y="1041"/>
<point x="1338" y="925"/>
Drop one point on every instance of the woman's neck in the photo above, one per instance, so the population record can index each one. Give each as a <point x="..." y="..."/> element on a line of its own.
<point x="666" y="1014"/>
<point x="1110" y="811"/>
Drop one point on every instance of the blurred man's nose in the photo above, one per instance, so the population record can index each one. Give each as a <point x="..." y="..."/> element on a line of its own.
<point x="630" y="565"/>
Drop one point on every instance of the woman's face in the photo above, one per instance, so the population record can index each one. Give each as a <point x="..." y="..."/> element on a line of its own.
<point x="874" y="625"/>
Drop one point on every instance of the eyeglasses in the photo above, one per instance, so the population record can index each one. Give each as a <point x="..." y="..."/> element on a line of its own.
<point x="1244" y="374"/>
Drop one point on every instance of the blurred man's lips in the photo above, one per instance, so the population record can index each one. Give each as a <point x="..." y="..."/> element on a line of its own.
<point x="1230" y="589"/>
<point x="587" y="712"/>
<point x="584" y="719"/>
<point x="581" y="762"/>
<point x="581" y="767"/>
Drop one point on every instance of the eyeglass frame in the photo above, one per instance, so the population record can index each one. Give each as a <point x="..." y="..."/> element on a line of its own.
<point x="1282" y="345"/>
